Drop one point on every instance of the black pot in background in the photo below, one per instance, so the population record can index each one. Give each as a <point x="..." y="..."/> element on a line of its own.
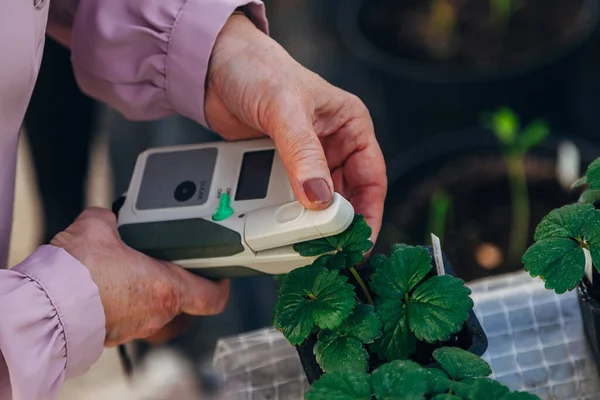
<point x="425" y="100"/>
<point x="411" y="168"/>
<point x="472" y="337"/>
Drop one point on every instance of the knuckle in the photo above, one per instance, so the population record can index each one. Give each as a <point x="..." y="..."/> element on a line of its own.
<point x="166" y="297"/>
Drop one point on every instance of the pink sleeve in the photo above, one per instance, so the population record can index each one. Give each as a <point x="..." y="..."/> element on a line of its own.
<point x="146" y="58"/>
<point x="52" y="324"/>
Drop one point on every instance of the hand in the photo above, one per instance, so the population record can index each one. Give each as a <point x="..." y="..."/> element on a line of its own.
<point x="140" y="295"/>
<point x="324" y="135"/>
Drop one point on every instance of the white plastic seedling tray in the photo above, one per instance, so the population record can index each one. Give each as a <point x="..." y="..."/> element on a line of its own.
<point x="536" y="343"/>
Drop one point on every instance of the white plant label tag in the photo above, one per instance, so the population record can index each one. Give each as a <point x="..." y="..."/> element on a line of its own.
<point x="568" y="164"/>
<point x="588" y="264"/>
<point x="437" y="254"/>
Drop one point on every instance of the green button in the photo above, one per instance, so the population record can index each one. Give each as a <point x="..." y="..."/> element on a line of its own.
<point x="224" y="209"/>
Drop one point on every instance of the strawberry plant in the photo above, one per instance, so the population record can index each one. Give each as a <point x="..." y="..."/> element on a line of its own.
<point x="568" y="238"/>
<point x="384" y="330"/>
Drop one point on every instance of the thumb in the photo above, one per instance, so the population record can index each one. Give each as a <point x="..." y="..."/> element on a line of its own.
<point x="200" y="296"/>
<point x="303" y="157"/>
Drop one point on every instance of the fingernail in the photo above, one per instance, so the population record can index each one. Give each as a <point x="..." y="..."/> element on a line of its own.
<point x="317" y="191"/>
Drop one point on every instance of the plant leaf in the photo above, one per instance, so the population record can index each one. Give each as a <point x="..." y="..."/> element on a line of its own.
<point x="363" y="324"/>
<point x="356" y="237"/>
<point x="343" y="347"/>
<point x="446" y="396"/>
<point x="437" y="381"/>
<point x="438" y="308"/>
<point x="397" y="341"/>
<point x="560" y="262"/>
<point x="593" y="174"/>
<point x="564" y="222"/>
<point x="460" y="364"/>
<point x="505" y="125"/>
<point x="482" y="388"/>
<point x="580" y="182"/>
<point x="407" y="267"/>
<point x="310" y="296"/>
<point x="401" y="379"/>
<point x="335" y="299"/>
<point x="520" y="396"/>
<point x="378" y="260"/>
<point x="341" y="385"/>
<point x="589" y="196"/>
<point x="335" y="352"/>
<point x="344" y="250"/>
<point x="533" y="134"/>
<point x="331" y="261"/>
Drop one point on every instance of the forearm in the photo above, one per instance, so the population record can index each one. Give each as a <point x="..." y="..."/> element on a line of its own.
<point x="146" y="58"/>
<point x="51" y="324"/>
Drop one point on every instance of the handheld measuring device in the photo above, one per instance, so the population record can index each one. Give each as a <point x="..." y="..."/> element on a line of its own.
<point x="222" y="210"/>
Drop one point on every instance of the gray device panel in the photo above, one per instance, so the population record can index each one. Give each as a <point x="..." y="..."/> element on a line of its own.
<point x="177" y="179"/>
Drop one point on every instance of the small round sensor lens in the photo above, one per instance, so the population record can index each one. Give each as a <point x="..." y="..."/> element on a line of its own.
<point x="185" y="191"/>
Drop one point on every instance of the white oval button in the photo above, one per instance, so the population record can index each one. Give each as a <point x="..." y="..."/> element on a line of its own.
<point x="289" y="212"/>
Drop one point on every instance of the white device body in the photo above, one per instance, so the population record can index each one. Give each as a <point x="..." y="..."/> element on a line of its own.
<point x="268" y="226"/>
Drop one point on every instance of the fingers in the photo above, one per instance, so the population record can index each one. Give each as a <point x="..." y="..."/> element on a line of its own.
<point x="199" y="296"/>
<point x="179" y="325"/>
<point x="303" y="157"/>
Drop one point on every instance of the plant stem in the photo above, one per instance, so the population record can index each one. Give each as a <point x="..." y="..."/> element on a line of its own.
<point x="520" y="206"/>
<point x="439" y="209"/>
<point x="362" y="285"/>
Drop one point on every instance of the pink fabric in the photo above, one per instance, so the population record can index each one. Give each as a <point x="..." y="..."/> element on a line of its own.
<point x="146" y="58"/>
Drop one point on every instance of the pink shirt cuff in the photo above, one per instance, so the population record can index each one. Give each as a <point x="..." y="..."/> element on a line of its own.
<point x="188" y="57"/>
<point x="52" y="324"/>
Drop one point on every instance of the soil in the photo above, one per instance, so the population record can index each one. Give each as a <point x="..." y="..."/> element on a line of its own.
<point x="476" y="234"/>
<point x="404" y="28"/>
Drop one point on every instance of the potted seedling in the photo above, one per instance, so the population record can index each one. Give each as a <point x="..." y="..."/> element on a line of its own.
<point x="397" y="328"/>
<point x="566" y="252"/>
<point x="456" y="58"/>
<point x="482" y="191"/>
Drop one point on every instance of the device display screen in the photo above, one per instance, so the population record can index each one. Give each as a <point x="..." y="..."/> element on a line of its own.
<point x="255" y="174"/>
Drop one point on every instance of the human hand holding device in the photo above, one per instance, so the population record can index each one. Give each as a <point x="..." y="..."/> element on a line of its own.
<point x="139" y="294"/>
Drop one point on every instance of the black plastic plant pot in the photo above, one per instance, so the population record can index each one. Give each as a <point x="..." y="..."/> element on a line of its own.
<point x="472" y="337"/>
<point x="426" y="98"/>
<point x="588" y="296"/>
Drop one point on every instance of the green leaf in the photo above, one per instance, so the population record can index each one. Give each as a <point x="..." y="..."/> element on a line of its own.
<point x="398" y="246"/>
<point x="446" y="396"/>
<point x="460" y="364"/>
<point x="533" y="134"/>
<point x="378" y="260"/>
<point x="482" y="388"/>
<point x="343" y="348"/>
<point x="400" y="379"/>
<point x="505" y="125"/>
<point x="331" y="261"/>
<point x="580" y="182"/>
<point x="397" y="341"/>
<point x="407" y="267"/>
<point x="520" y="396"/>
<point x="589" y="196"/>
<point x="593" y="174"/>
<point x="438" y="308"/>
<point x="437" y="381"/>
<point x="479" y="388"/>
<point x="341" y="385"/>
<point x="343" y="250"/>
<point x="565" y="222"/>
<point x="363" y="324"/>
<point x="559" y="262"/>
<point x="311" y="296"/>
<point x="334" y="353"/>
